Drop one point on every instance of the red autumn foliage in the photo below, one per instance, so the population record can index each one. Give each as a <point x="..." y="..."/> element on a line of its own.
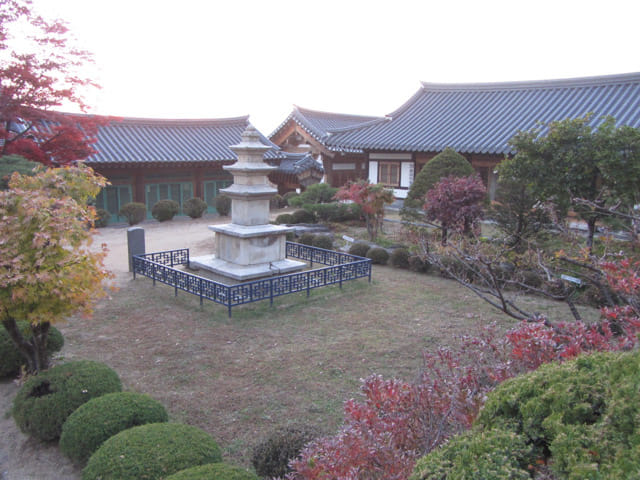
<point x="372" y="198"/>
<point x="38" y="76"/>
<point x="455" y="202"/>
<point x="397" y="422"/>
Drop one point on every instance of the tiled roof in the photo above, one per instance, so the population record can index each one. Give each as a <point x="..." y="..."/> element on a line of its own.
<point x="296" y="163"/>
<point x="141" y="140"/>
<point x="318" y="124"/>
<point x="483" y="117"/>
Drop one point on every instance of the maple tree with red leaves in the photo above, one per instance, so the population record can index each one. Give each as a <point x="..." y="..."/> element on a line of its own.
<point x="455" y="203"/>
<point x="372" y="198"/>
<point x="39" y="74"/>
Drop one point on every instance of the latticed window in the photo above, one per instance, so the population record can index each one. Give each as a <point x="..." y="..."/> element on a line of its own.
<point x="389" y="173"/>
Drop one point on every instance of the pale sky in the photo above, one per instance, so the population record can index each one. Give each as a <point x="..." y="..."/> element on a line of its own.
<point x="214" y="59"/>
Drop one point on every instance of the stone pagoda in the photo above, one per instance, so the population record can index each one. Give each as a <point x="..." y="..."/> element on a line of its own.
<point x="249" y="247"/>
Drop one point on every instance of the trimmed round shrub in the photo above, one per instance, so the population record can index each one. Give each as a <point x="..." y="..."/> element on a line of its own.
<point x="378" y="255"/>
<point x="494" y="454"/>
<point x="195" y="207"/>
<point x="316" y="193"/>
<point x="101" y="418"/>
<point x="323" y="241"/>
<point x="582" y="417"/>
<point x="284" y="218"/>
<point x="419" y="265"/>
<point x="223" y="205"/>
<point x="133" y="212"/>
<point x="102" y="218"/>
<point x="448" y="162"/>
<point x="335" y="212"/>
<point x="165" y="210"/>
<point x="276" y="202"/>
<point x="271" y="456"/>
<point x="307" y="238"/>
<point x="45" y="401"/>
<point x="213" y="471"/>
<point x="152" y="451"/>
<point x="10" y="357"/>
<point x="359" y="249"/>
<point x="303" y="216"/>
<point x="399" y="258"/>
<point x="288" y="196"/>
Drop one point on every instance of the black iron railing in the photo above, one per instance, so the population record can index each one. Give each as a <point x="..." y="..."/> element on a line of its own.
<point x="341" y="267"/>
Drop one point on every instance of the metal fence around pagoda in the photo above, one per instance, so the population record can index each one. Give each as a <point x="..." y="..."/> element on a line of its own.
<point x="337" y="268"/>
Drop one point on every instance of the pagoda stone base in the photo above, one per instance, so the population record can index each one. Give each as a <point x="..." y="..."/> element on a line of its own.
<point x="245" y="272"/>
<point x="245" y="252"/>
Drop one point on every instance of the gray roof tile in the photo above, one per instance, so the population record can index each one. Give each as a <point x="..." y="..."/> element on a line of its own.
<point x="483" y="117"/>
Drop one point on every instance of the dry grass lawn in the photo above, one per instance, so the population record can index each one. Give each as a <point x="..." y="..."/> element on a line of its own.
<point x="296" y="362"/>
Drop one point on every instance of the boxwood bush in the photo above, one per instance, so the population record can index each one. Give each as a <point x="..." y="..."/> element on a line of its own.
<point x="400" y="258"/>
<point x="10" y="357"/>
<point x="419" y="265"/>
<point x="101" y="418"/>
<point x="165" y="210"/>
<point x="223" y="205"/>
<point x="322" y="241"/>
<point x="307" y="238"/>
<point x="303" y="216"/>
<point x="133" y="212"/>
<point x="102" y="218"/>
<point x="152" y="451"/>
<point x="195" y="207"/>
<point x="284" y="218"/>
<point x="378" y="255"/>
<point x="271" y="456"/>
<point x="213" y="471"/>
<point x="45" y="401"/>
<point x="359" y="249"/>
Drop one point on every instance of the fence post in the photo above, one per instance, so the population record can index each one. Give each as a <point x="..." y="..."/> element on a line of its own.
<point x="340" y="269"/>
<point x="135" y="243"/>
<point x="175" y="281"/>
<point x="153" y="272"/>
<point x="271" y="291"/>
<point x="308" y="284"/>
<point x="200" y="288"/>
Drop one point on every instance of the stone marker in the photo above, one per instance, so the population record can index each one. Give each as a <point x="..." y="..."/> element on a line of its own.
<point x="135" y="243"/>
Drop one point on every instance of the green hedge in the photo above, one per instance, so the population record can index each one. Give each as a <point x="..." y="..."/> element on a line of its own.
<point x="101" y="418"/>
<point x="581" y="418"/>
<point x="165" y="210"/>
<point x="10" y="357"/>
<point x="151" y="452"/>
<point x="134" y="212"/>
<point x="195" y="207"/>
<point x="223" y="205"/>
<point x="213" y="471"/>
<point x="45" y="401"/>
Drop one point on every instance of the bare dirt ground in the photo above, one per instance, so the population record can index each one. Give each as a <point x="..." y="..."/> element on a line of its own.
<point x="267" y="367"/>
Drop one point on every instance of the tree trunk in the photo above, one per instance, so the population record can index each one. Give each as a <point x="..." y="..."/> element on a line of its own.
<point x="34" y="349"/>
<point x="444" y="235"/>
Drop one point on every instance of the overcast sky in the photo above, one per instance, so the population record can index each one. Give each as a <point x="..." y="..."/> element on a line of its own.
<point x="213" y="59"/>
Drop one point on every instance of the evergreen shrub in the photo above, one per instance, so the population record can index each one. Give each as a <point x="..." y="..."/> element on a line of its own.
<point x="303" y="216"/>
<point x="378" y="255"/>
<point x="307" y="238"/>
<point x="10" y="357"/>
<point x="165" y="210"/>
<point x="418" y="264"/>
<point x="133" y="212"/>
<point x="581" y="417"/>
<point x="223" y="205"/>
<point x="491" y="454"/>
<point x="195" y="207"/>
<point x="102" y="218"/>
<point x="101" y="418"/>
<point x="150" y="452"/>
<point x="359" y="249"/>
<point x="271" y="457"/>
<point x="45" y="401"/>
<point x="323" y="241"/>
<point x="399" y="258"/>
<point x="448" y="162"/>
<point x="284" y="219"/>
<point x="276" y="202"/>
<point x="335" y="212"/>
<point x="286" y="198"/>
<point x="316" y="193"/>
<point x="213" y="471"/>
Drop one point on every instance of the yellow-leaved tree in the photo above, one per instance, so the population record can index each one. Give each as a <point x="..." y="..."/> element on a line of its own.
<point x="47" y="270"/>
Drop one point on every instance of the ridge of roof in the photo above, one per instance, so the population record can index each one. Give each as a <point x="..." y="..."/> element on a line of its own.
<point x="159" y="122"/>
<point x="334" y="114"/>
<point x="527" y="84"/>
